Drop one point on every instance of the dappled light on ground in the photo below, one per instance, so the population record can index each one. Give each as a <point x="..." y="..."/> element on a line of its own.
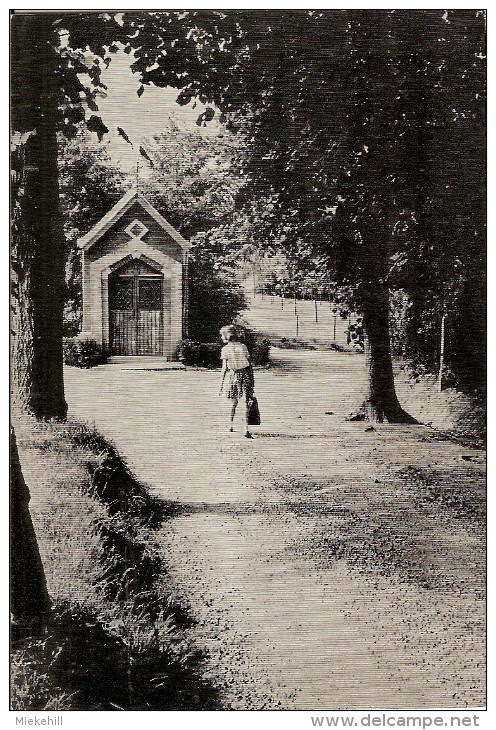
<point x="326" y="565"/>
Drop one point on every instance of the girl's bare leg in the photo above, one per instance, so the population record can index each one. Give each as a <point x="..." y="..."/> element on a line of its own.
<point x="233" y="411"/>
<point x="246" y="411"/>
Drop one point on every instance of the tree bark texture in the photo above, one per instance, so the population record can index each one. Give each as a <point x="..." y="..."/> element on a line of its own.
<point x="381" y="403"/>
<point x="29" y="598"/>
<point x="38" y="256"/>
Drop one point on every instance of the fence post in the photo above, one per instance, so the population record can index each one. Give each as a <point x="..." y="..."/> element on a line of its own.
<point x="441" y="355"/>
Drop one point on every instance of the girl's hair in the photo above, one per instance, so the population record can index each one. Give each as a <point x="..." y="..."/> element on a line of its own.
<point x="229" y="332"/>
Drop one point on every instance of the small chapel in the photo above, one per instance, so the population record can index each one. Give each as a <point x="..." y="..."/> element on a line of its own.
<point x="134" y="281"/>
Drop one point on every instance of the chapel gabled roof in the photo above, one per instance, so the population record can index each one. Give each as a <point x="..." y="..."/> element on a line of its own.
<point x="119" y="209"/>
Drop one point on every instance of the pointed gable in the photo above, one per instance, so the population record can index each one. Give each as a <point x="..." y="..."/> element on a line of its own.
<point x="136" y="227"/>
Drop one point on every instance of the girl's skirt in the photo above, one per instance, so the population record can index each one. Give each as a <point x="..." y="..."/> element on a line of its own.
<point x="241" y="382"/>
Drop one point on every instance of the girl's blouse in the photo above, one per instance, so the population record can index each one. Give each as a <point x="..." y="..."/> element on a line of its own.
<point x="236" y="355"/>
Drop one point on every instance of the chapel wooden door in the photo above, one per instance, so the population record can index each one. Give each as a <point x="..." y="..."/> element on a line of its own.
<point x="136" y="310"/>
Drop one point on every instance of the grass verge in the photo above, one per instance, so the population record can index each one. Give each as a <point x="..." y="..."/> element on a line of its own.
<point x="117" y="637"/>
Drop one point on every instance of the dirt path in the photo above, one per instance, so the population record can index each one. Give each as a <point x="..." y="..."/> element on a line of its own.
<point x="327" y="566"/>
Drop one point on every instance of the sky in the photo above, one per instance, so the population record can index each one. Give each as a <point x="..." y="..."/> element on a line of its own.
<point x="140" y="117"/>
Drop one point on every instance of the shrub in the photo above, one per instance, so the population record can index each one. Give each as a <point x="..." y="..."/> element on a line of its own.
<point x="207" y="354"/>
<point x="355" y="335"/>
<point x="201" y="354"/>
<point x="214" y="296"/>
<point x="73" y="317"/>
<point x="258" y="346"/>
<point x="83" y="352"/>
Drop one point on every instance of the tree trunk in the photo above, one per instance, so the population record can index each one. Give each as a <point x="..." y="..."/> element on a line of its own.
<point x="38" y="255"/>
<point x="381" y="403"/>
<point x="28" y="592"/>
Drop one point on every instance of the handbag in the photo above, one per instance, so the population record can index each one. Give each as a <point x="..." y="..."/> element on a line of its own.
<point x="253" y="412"/>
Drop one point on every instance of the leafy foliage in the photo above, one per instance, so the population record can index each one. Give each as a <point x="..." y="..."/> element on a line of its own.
<point x="207" y="354"/>
<point x="193" y="179"/>
<point x="355" y="123"/>
<point x="192" y="184"/>
<point x="200" y="354"/>
<point x="215" y="298"/>
<point x="82" y="352"/>
<point x="89" y="186"/>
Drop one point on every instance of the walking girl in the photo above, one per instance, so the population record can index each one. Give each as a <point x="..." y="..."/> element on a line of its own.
<point x="236" y="367"/>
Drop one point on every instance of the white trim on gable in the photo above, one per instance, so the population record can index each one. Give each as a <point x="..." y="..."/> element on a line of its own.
<point x="119" y="209"/>
<point x="136" y="249"/>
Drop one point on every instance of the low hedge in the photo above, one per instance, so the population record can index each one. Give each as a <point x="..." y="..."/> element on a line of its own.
<point x="201" y="354"/>
<point x="260" y="351"/>
<point x="207" y="354"/>
<point x="83" y="352"/>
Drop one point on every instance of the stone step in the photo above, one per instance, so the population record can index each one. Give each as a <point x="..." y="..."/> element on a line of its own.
<point x="131" y="362"/>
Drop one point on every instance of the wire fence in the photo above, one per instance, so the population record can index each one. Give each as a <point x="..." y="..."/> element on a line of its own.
<point x="303" y="319"/>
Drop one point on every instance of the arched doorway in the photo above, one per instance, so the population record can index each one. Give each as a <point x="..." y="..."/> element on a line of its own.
<point x="136" y="309"/>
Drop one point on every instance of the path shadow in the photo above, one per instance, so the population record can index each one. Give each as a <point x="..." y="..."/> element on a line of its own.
<point x="303" y="507"/>
<point x="278" y="435"/>
<point x="280" y="366"/>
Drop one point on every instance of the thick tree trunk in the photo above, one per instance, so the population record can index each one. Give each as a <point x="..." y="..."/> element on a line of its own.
<point x="37" y="236"/>
<point x="381" y="403"/>
<point x="29" y="597"/>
